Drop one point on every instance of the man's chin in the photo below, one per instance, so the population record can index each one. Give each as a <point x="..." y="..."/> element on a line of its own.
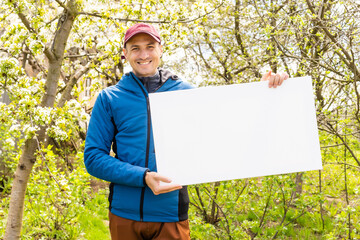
<point x="145" y="73"/>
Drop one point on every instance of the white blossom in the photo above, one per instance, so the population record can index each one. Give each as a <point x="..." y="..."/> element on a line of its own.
<point x="29" y="131"/>
<point x="58" y="133"/>
<point x="60" y="122"/>
<point x="10" y="142"/>
<point x="58" y="96"/>
<point x="84" y="116"/>
<point x="15" y="127"/>
<point x="73" y="104"/>
<point x="214" y="34"/>
<point x="61" y="83"/>
<point x="8" y="60"/>
<point x="36" y="45"/>
<point x="42" y="114"/>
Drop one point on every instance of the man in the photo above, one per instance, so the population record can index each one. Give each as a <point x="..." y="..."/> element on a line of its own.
<point x="139" y="207"/>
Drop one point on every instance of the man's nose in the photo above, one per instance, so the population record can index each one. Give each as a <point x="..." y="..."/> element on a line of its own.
<point x="143" y="54"/>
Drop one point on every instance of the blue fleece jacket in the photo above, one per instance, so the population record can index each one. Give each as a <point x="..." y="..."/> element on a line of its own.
<point x="121" y="119"/>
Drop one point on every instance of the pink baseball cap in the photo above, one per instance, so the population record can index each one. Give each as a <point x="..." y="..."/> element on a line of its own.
<point x="142" y="28"/>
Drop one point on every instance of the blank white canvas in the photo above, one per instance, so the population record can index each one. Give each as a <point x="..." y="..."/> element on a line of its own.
<point x="235" y="131"/>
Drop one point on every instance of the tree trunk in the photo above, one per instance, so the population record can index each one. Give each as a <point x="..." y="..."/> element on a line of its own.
<point x="5" y="98"/>
<point x="299" y="184"/>
<point x="21" y="177"/>
<point x="27" y="159"/>
<point x="4" y="173"/>
<point x="4" y="170"/>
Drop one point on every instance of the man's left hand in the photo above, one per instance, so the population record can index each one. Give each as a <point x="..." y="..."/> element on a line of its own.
<point x="153" y="179"/>
<point x="275" y="80"/>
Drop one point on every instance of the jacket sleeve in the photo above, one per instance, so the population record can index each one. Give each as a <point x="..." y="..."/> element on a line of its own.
<point x="98" y="142"/>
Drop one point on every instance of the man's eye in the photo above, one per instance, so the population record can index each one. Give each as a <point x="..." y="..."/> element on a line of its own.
<point x="134" y="49"/>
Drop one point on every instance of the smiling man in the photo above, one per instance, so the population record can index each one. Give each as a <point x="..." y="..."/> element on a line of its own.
<point x="139" y="207"/>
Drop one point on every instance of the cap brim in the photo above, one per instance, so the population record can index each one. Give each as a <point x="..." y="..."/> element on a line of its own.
<point x="142" y="31"/>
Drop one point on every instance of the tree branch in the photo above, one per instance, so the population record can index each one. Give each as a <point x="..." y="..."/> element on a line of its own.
<point x="99" y="15"/>
<point x="63" y="5"/>
<point x="261" y="223"/>
<point x="342" y="163"/>
<point x="348" y="60"/>
<point x="80" y="55"/>
<point x="214" y="201"/>
<point x="70" y="85"/>
<point x="27" y="24"/>
<point x="344" y="142"/>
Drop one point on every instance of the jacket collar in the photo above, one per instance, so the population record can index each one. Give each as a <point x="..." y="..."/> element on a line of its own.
<point x="132" y="83"/>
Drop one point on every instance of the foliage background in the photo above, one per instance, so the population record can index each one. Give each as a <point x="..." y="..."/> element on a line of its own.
<point x="208" y="43"/>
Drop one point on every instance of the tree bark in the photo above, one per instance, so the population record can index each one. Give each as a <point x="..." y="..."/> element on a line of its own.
<point x="4" y="170"/>
<point x="299" y="184"/>
<point x="27" y="159"/>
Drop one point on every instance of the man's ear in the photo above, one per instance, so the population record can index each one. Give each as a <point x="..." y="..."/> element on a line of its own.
<point x="125" y="53"/>
<point x="161" y="50"/>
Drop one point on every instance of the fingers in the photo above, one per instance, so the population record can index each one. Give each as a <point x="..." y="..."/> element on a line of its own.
<point x="153" y="180"/>
<point x="162" y="178"/>
<point x="275" y="80"/>
<point x="281" y="79"/>
<point x="167" y="188"/>
<point x="285" y="76"/>
<point x="266" y="76"/>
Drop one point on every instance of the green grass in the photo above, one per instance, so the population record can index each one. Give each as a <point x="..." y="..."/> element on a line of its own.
<point x="94" y="220"/>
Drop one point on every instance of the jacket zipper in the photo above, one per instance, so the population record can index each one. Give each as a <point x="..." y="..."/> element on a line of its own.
<point x="147" y="144"/>
<point x="147" y="148"/>
<point x="147" y="157"/>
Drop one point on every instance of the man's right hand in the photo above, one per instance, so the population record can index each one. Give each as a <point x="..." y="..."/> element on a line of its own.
<point x="153" y="179"/>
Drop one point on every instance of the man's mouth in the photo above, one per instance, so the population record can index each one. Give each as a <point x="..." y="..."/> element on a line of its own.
<point x="144" y="63"/>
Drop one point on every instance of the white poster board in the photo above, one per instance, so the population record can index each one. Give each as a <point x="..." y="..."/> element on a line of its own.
<point x="235" y="131"/>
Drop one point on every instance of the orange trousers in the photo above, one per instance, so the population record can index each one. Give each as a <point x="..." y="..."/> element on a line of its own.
<point x="122" y="228"/>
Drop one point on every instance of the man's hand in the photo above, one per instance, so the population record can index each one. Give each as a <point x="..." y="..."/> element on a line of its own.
<point x="153" y="180"/>
<point x="274" y="79"/>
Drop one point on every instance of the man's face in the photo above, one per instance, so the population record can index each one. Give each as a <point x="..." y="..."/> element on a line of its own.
<point x="143" y="54"/>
